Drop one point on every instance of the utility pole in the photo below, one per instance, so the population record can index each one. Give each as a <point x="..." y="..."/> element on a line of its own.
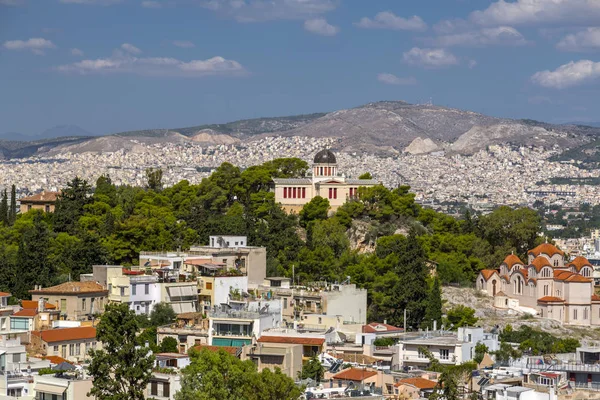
<point x="405" y="321"/>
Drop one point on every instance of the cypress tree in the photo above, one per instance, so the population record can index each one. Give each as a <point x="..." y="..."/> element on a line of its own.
<point x="12" y="211"/>
<point x="434" y="306"/>
<point x="4" y="208"/>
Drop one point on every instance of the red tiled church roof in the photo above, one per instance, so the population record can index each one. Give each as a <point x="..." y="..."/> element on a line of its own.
<point x="579" y="262"/>
<point x="545" y="248"/>
<point x="511" y="260"/>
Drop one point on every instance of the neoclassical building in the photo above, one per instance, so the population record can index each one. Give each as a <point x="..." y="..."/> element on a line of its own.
<point x="325" y="181"/>
<point x="555" y="290"/>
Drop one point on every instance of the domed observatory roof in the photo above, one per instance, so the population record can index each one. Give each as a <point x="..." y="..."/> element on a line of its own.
<point x="325" y="157"/>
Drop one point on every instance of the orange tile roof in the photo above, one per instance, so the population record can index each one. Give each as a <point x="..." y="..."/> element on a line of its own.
<point x="56" y="359"/>
<point x="26" y="312"/>
<point x="550" y="299"/>
<point x="511" y="260"/>
<point x="561" y="274"/>
<point x="595" y="297"/>
<point x="506" y="278"/>
<point x="306" y="341"/>
<point x="66" y="334"/>
<point x="32" y="304"/>
<point x="578" y="278"/>
<point x="487" y="273"/>
<point x="42" y="197"/>
<point x="375" y="327"/>
<point x="354" y="374"/>
<point x="546" y="248"/>
<point x="5" y="294"/>
<point x="72" y="288"/>
<point x="540" y="262"/>
<point x="579" y="262"/>
<point x="419" y="383"/>
<point x="229" y="349"/>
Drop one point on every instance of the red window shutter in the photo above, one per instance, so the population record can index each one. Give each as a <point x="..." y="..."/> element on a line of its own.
<point x="294" y="193"/>
<point x="335" y="193"/>
<point x="285" y="193"/>
<point x="303" y="193"/>
<point x="330" y="193"/>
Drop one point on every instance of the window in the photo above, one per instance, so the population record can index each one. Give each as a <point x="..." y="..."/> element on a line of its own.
<point x="546" y="291"/>
<point x="166" y="389"/>
<point x="47" y="208"/>
<point x="154" y="388"/>
<point x="208" y="285"/>
<point x="285" y="194"/>
<point x="585" y="313"/>
<point x="420" y="354"/>
<point x="77" y="349"/>
<point x="335" y="193"/>
<point x="303" y="193"/>
<point x="237" y="243"/>
<point x="224" y="261"/>
<point x="574" y="315"/>
<point x="133" y="290"/>
<point x="28" y="207"/>
<point x="72" y="349"/>
<point x="294" y="193"/>
<point x="285" y="304"/>
<point x="63" y="305"/>
<point x="444" y="354"/>
<point x="110" y="288"/>
<point x="83" y="305"/>
<point x="146" y="288"/>
<point x="122" y="291"/>
<point x="55" y="349"/>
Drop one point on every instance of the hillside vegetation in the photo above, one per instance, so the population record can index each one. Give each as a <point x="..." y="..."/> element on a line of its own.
<point x="113" y="224"/>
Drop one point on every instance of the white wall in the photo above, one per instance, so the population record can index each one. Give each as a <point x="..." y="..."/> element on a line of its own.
<point x="222" y="286"/>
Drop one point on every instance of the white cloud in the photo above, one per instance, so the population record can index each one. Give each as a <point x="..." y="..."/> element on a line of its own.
<point x="151" y="4"/>
<point x="183" y="43"/>
<point x="392" y="79"/>
<point x="320" y="26"/>
<point x="586" y="40"/>
<point x="430" y="58"/>
<point x="91" y="2"/>
<point x="497" y="36"/>
<point x="124" y="62"/>
<point x="35" y="45"/>
<point x="77" y="52"/>
<point x="262" y="10"/>
<point x="521" y="12"/>
<point x="567" y="75"/>
<point x="472" y="64"/>
<point x="388" y="20"/>
<point x="130" y="48"/>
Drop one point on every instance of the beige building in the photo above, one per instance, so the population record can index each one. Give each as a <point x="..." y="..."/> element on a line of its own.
<point x="545" y="285"/>
<point x="285" y="356"/>
<point x="65" y="387"/>
<point x="77" y="301"/>
<point x="72" y="344"/>
<point x="44" y="201"/>
<point x="326" y="181"/>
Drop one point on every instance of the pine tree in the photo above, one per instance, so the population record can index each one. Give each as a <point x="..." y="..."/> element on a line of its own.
<point x="4" y="208"/>
<point x="12" y="211"/>
<point x="122" y="369"/>
<point x="434" y="306"/>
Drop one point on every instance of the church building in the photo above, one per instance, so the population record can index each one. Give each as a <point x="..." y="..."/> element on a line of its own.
<point x="325" y="181"/>
<point x="545" y="285"/>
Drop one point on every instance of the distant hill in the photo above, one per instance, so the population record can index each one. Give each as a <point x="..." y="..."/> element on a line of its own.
<point x="387" y="127"/>
<point x="50" y="133"/>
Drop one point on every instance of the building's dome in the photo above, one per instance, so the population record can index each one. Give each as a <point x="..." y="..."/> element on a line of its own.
<point x="325" y="157"/>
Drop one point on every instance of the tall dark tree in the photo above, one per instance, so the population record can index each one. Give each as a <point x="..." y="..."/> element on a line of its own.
<point x="122" y="369"/>
<point x="162" y="314"/>
<point x="433" y="312"/>
<point x="4" y="208"/>
<point x="410" y="291"/>
<point x="315" y="209"/>
<point x="32" y="258"/>
<point x="70" y="205"/>
<point x="154" y="179"/>
<point x="12" y="210"/>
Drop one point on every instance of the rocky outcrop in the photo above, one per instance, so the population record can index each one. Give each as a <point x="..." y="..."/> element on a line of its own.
<point x="422" y="146"/>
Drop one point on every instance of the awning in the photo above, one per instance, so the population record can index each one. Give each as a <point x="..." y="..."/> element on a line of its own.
<point x="187" y="307"/>
<point x="174" y="291"/>
<point x="189" y="291"/>
<point x="51" y="389"/>
<point x="176" y="307"/>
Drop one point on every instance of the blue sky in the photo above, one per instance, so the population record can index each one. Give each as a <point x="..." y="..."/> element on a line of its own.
<point x="116" y="65"/>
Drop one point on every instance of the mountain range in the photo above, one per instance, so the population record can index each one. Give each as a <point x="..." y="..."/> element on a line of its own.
<point x="386" y="127"/>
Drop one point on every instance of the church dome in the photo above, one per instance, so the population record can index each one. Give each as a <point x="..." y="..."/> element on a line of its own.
<point x="325" y="157"/>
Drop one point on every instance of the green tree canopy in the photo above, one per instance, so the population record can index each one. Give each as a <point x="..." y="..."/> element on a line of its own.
<point x="317" y="208"/>
<point x="121" y="370"/>
<point x="219" y="375"/>
<point x="162" y="314"/>
<point x="460" y="316"/>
